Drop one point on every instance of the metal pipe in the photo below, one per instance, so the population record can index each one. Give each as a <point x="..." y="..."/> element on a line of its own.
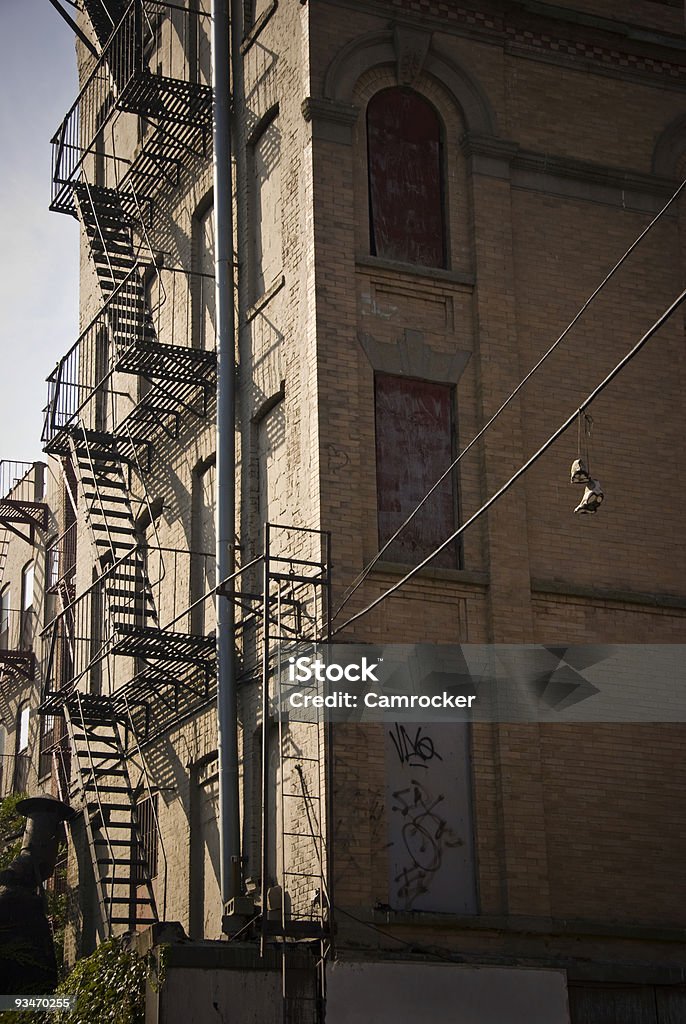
<point x="227" y="716"/>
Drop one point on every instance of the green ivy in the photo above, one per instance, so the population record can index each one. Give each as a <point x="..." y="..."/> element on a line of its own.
<point x="12" y="825"/>
<point x="109" y="986"/>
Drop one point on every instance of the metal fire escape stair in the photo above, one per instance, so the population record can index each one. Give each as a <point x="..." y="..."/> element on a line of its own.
<point x="130" y="604"/>
<point x="120" y="867"/>
<point x="104" y="15"/>
<point x="128" y="593"/>
<point x="139" y="351"/>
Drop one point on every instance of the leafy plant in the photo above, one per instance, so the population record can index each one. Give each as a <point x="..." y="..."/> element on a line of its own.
<point x="109" y="986"/>
<point x="11" y="829"/>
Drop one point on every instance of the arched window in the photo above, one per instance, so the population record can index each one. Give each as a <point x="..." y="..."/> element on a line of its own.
<point x="405" y="160"/>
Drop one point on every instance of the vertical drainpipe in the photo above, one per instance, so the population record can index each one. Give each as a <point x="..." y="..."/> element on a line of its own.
<point x="227" y="710"/>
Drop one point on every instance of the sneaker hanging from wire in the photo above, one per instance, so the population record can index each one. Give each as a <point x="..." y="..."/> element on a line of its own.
<point x="592" y="499"/>
<point x="579" y="472"/>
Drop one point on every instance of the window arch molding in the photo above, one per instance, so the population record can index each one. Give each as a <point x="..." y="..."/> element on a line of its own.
<point x="380" y="49"/>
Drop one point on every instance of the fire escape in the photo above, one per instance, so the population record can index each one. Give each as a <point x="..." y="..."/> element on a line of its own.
<point x="141" y="367"/>
<point x="22" y="513"/>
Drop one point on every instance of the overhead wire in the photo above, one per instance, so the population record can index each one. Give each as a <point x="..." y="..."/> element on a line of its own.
<point x="357" y="583"/>
<point x="662" y="319"/>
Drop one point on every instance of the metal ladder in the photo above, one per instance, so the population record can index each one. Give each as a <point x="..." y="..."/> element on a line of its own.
<point x="296" y="609"/>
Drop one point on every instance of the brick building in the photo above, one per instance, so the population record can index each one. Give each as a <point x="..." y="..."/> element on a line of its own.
<point x="425" y="195"/>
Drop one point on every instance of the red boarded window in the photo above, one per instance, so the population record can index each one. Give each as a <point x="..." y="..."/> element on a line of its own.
<point x="414" y="428"/>
<point x="405" y="179"/>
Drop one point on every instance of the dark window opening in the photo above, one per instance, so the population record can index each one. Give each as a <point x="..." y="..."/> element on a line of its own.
<point x="414" y="447"/>
<point x="48" y="735"/>
<point x="405" y="160"/>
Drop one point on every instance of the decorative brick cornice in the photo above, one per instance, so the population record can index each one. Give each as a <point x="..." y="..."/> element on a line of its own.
<point x="573" y="52"/>
<point x="555" y="35"/>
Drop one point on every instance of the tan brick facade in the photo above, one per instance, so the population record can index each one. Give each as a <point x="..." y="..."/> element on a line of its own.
<point x="561" y="137"/>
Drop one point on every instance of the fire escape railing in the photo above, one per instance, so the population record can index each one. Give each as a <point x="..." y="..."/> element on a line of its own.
<point x="16" y="630"/>
<point x="16" y="480"/>
<point x="85" y="639"/>
<point x="118" y="340"/>
<point x="16" y="641"/>
<point x="146" y="359"/>
<point x="151" y="66"/>
<point x="87" y="630"/>
<point x="22" y="509"/>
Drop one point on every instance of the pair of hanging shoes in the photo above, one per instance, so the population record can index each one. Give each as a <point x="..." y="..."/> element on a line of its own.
<point x="593" y="494"/>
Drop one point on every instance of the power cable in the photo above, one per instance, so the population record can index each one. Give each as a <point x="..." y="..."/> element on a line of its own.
<point x="366" y="571"/>
<point x="662" y="319"/>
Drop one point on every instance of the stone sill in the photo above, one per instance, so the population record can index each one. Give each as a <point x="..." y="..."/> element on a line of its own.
<point x="433" y="273"/>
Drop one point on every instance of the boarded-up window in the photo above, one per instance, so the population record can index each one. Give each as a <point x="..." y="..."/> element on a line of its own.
<point x="204" y="29"/>
<point x="23" y="718"/>
<point x="414" y="447"/>
<point x="405" y="179"/>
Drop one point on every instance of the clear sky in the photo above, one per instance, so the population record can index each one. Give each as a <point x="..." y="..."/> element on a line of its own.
<point x="38" y="249"/>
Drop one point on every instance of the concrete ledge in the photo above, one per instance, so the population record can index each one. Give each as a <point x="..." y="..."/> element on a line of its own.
<point x="466" y="576"/>
<point x="521" y="925"/>
<point x="562" y="589"/>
